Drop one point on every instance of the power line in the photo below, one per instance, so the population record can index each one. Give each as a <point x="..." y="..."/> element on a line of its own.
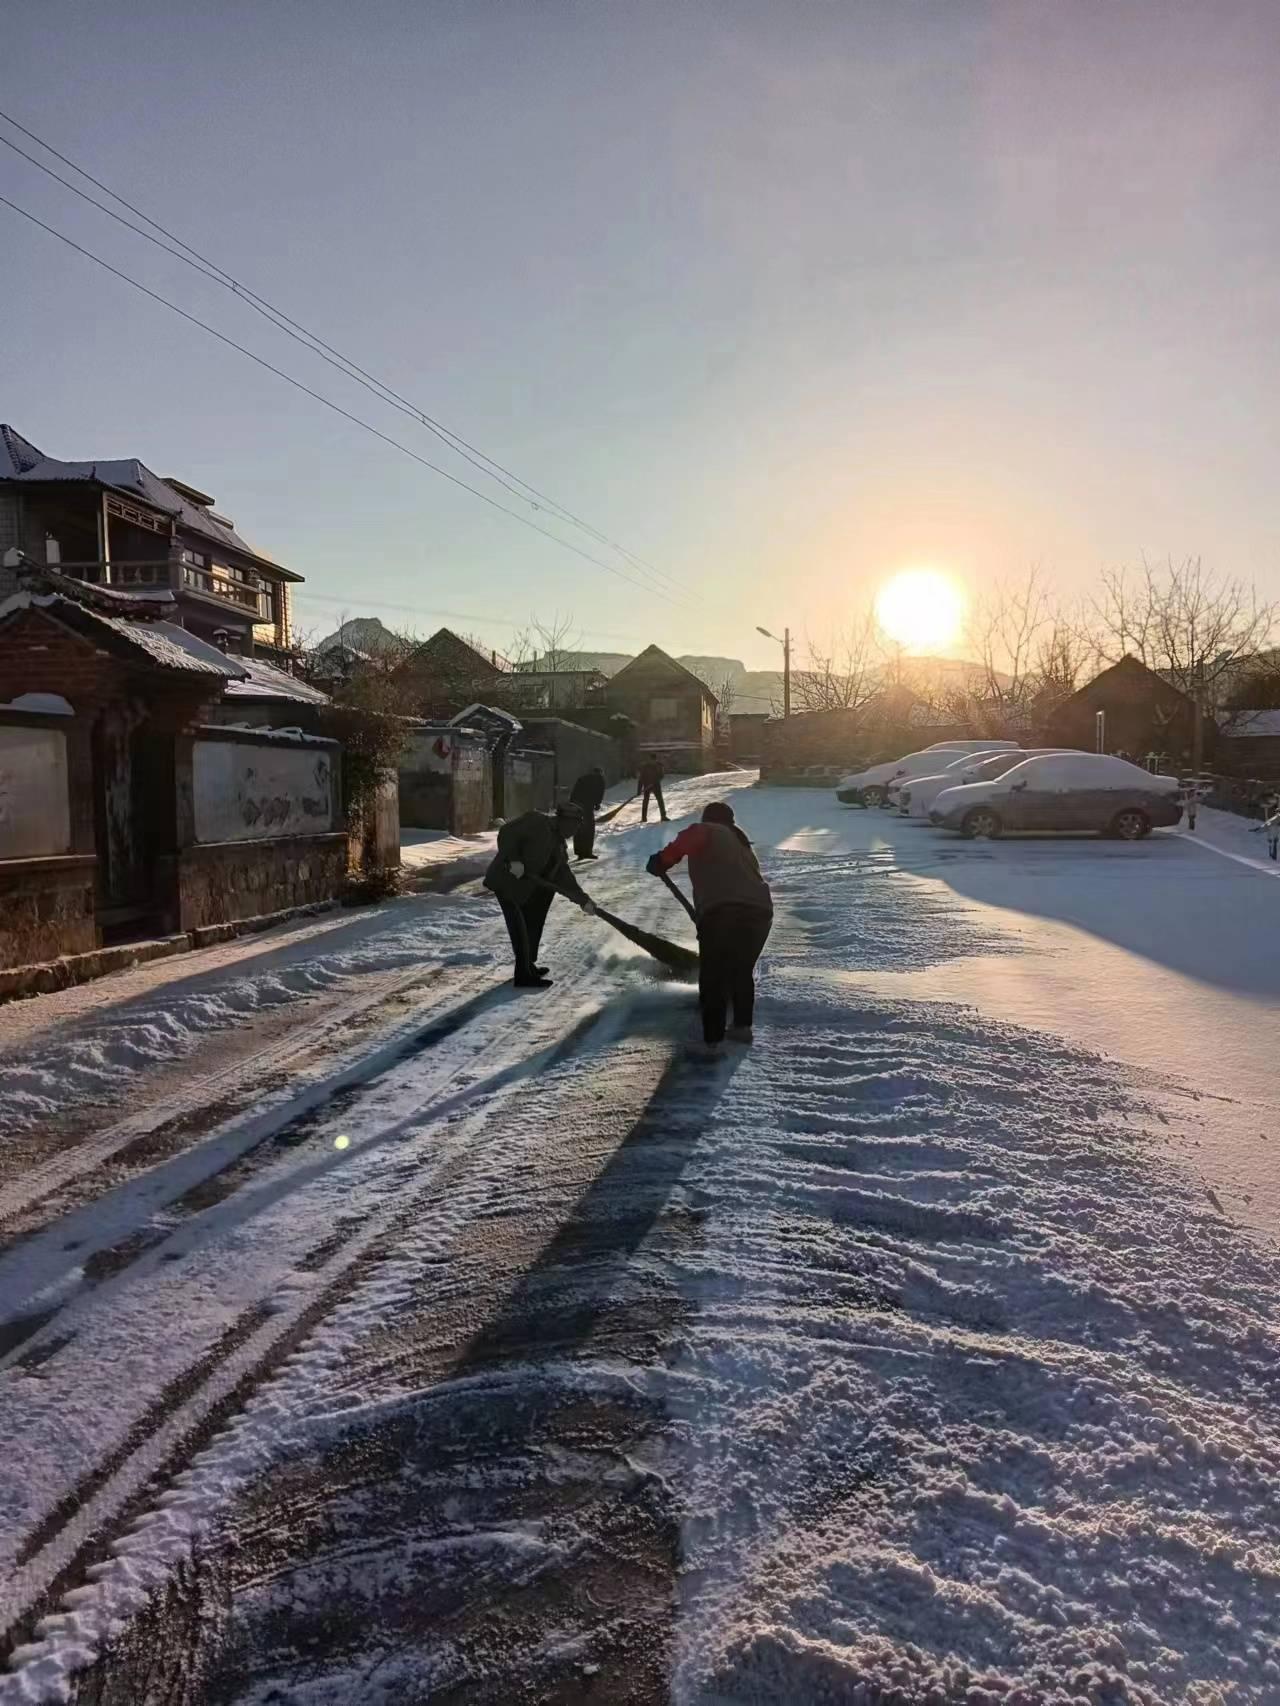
<point x="312" y="341"/>
<point x="319" y="397"/>
<point x="307" y="596"/>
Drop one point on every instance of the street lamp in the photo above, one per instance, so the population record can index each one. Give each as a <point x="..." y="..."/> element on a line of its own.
<point x="785" y="643"/>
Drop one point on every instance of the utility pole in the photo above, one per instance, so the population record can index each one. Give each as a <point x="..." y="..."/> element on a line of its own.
<point x="785" y="643"/>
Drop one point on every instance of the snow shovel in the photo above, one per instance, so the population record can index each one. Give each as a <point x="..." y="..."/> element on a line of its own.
<point x="670" y="954"/>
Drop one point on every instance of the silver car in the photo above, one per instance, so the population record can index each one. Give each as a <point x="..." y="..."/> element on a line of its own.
<point x="1079" y="791"/>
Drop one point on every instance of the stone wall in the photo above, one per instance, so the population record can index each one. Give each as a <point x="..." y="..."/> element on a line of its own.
<point x="222" y="883"/>
<point x="47" y="908"/>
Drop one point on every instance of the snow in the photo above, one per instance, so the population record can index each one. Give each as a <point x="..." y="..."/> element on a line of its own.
<point x="956" y="1376"/>
<point x="46" y="704"/>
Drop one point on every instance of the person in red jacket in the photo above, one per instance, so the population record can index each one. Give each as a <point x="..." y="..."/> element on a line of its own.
<point x="734" y="911"/>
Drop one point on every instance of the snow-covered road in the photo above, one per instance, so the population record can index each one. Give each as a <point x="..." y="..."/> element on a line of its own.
<point x="925" y="1352"/>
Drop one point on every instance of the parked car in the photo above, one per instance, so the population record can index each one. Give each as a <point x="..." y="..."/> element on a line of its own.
<point x="916" y="795"/>
<point x="871" y="787"/>
<point x="1063" y="791"/>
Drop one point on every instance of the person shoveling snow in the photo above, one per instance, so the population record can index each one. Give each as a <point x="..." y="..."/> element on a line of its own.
<point x="529" y="869"/>
<point x="733" y="907"/>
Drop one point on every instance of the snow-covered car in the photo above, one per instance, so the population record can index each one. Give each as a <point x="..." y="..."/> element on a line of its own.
<point x="1063" y="791"/>
<point x="871" y="787"/>
<point x="916" y="795"/>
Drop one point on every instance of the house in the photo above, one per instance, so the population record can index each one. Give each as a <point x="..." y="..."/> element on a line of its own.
<point x="446" y="672"/>
<point x="115" y="524"/>
<point x="674" y="713"/>
<point x="1249" y="743"/>
<point x="127" y="812"/>
<point x="1142" y="713"/>
<point x="551" y="690"/>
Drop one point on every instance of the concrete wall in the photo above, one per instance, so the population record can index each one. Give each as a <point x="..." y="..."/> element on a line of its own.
<point x="574" y="750"/>
<point x="529" y="781"/>
<point x="35" y="803"/>
<point x="47" y="909"/>
<point x="250" y="879"/>
<point x="446" y="781"/>
<point x="246" y="787"/>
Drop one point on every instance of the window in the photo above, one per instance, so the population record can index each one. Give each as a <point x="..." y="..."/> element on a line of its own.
<point x="195" y="559"/>
<point x="664" y="710"/>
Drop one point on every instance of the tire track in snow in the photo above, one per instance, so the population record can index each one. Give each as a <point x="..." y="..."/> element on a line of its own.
<point x="54" y="1554"/>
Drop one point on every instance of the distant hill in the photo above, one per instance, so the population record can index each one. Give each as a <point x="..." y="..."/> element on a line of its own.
<point x="608" y="663"/>
<point x="362" y="634"/>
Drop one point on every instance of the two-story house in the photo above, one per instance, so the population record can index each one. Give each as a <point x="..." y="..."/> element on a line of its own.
<point x="674" y="713"/>
<point x="116" y="524"/>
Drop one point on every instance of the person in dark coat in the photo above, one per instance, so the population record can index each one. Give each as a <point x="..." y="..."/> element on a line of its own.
<point x="649" y="783"/>
<point x="734" y="910"/>
<point x="530" y="867"/>
<point x="587" y="793"/>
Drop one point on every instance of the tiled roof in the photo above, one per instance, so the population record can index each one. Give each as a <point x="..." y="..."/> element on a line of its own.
<point x="20" y="460"/>
<point x="262" y="680"/>
<point x="158" y="645"/>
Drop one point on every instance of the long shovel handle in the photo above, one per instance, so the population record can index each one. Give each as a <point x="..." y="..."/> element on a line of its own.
<point x="680" y="895"/>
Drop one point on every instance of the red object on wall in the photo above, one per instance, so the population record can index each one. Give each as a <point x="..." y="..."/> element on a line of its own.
<point x="441" y="747"/>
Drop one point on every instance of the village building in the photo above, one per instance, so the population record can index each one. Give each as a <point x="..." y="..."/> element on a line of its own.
<point x="116" y="525"/>
<point x="1142" y="715"/>
<point x="674" y="713"/>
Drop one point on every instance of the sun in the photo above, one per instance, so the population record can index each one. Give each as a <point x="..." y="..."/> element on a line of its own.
<point x="922" y="609"/>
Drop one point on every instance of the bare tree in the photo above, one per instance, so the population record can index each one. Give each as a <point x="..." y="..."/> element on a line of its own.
<point x="1200" y="630"/>
<point x="847" y="674"/>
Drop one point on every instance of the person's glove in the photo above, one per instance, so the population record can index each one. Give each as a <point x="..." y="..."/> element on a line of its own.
<point x="516" y="867"/>
<point x="654" y="866"/>
<point x="589" y="907"/>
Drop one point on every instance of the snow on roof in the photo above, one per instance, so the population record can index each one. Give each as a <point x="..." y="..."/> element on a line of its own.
<point x="20" y="460"/>
<point x="479" y="713"/>
<point x="44" y="704"/>
<point x="1252" y="723"/>
<point x="174" y="648"/>
<point x="161" y="643"/>
<point x="262" y="680"/>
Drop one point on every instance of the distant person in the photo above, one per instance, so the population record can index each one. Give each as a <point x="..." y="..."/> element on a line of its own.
<point x="529" y="869"/>
<point x="587" y="794"/>
<point x="734" y="911"/>
<point x="649" y="785"/>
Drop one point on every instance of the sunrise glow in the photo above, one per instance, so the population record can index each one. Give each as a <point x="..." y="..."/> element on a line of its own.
<point x="921" y="609"/>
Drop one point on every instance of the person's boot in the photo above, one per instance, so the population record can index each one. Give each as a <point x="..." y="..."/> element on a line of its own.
<point x="739" y="1033"/>
<point x="531" y="980"/>
<point x="705" y="1052"/>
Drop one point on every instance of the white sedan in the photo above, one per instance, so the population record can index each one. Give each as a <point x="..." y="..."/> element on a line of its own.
<point x="1063" y="791"/>
<point x="871" y="787"/>
<point x="916" y="795"/>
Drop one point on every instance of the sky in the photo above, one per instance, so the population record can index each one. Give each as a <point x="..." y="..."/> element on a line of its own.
<point x="784" y="298"/>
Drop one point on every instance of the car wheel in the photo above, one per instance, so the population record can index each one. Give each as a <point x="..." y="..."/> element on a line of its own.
<point x="1131" y="825"/>
<point x="981" y="824"/>
<point x="874" y="796"/>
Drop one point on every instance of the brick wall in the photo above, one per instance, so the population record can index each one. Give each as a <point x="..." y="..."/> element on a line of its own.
<point x="227" y="881"/>
<point x="46" y="909"/>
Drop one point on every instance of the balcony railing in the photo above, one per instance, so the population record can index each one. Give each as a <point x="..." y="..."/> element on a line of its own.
<point x="248" y="598"/>
<point x="244" y="596"/>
